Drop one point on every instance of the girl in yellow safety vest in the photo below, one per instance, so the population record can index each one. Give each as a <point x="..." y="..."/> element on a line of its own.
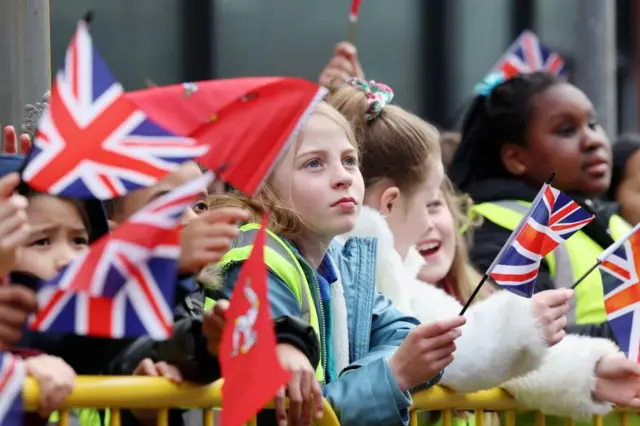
<point x="515" y="134"/>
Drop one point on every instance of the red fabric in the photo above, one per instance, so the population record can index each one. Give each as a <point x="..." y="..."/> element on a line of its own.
<point x="247" y="122"/>
<point x="252" y="377"/>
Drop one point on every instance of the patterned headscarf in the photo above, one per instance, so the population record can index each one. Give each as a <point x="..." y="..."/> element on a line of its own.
<point x="378" y="95"/>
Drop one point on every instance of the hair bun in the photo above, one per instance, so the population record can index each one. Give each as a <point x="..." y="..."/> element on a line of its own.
<point x="378" y="95"/>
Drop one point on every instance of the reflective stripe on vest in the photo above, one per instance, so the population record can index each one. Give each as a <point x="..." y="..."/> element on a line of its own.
<point x="567" y="262"/>
<point x="281" y="261"/>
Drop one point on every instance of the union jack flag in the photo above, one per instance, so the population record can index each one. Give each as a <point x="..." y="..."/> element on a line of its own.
<point x="527" y="54"/>
<point x="92" y="141"/>
<point x="621" y="288"/>
<point x="552" y="219"/>
<point x="12" y="374"/>
<point x="124" y="285"/>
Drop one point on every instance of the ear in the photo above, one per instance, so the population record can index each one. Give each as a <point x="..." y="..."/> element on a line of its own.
<point x="388" y="198"/>
<point x="514" y="159"/>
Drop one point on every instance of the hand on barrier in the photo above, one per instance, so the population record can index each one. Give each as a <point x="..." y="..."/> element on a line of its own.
<point x="213" y="324"/>
<point x="55" y="378"/>
<point x="550" y="308"/>
<point x="16" y="304"/>
<point x="425" y="352"/>
<point x="343" y="65"/>
<point x="208" y="237"/>
<point x="10" y="142"/>
<point x="303" y="390"/>
<point x="14" y="226"/>
<point x="159" y="369"/>
<point x="618" y="381"/>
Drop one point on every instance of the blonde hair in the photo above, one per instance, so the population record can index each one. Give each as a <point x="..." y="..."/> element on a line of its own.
<point x="396" y="145"/>
<point x="462" y="278"/>
<point x="284" y="220"/>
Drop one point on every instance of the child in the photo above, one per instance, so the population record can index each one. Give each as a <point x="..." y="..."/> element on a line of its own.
<point x="518" y="335"/>
<point x="515" y="134"/>
<point x="367" y="366"/>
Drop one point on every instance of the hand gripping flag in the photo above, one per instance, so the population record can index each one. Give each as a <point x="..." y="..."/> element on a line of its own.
<point x="247" y="122"/>
<point x="124" y="285"/>
<point x="250" y="367"/>
<point x="92" y="141"/>
<point x="552" y="219"/>
<point x="526" y="54"/>
<point x="619" y="266"/>
<point x="12" y="375"/>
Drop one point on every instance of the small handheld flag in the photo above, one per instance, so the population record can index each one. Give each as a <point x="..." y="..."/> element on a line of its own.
<point x="12" y="375"/>
<point x="92" y="141"/>
<point x="248" y="356"/>
<point x="124" y="285"/>
<point x="552" y="218"/>
<point x="619" y="267"/>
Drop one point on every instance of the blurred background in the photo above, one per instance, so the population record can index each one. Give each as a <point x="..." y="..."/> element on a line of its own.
<point x="432" y="52"/>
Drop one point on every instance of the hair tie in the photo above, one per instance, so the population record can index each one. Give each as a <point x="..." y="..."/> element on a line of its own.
<point x="490" y="82"/>
<point x="378" y="95"/>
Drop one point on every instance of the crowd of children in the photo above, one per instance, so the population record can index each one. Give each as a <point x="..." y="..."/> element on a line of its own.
<point x="369" y="263"/>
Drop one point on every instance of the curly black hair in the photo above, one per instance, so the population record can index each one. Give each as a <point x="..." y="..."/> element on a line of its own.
<point x="491" y="121"/>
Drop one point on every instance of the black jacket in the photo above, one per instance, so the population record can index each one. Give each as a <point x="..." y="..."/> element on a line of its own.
<point x="187" y="348"/>
<point x="489" y="237"/>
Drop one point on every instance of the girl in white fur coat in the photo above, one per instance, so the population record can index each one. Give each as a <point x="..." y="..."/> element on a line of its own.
<point x="508" y="341"/>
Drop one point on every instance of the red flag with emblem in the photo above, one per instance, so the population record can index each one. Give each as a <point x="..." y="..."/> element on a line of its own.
<point x="246" y="122"/>
<point x="250" y="367"/>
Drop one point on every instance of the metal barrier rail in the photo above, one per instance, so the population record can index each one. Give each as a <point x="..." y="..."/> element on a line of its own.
<point x="441" y="399"/>
<point x="154" y="393"/>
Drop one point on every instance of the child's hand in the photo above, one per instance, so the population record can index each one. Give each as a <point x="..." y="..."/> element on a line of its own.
<point x="14" y="226"/>
<point x="550" y="308"/>
<point x="10" y="142"/>
<point x="56" y="379"/>
<point x="207" y="238"/>
<point x="305" y="394"/>
<point x="213" y="324"/>
<point x="16" y="303"/>
<point x="617" y="381"/>
<point x="159" y="369"/>
<point x="425" y="352"/>
<point x="343" y="65"/>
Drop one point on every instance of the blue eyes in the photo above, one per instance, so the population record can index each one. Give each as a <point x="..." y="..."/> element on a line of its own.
<point x="349" y="162"/>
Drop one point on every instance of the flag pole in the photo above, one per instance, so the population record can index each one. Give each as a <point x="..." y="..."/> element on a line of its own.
<point x="486" y="275"/>
<point x="590" y="270"/>
<point x="353" y="20"/>
<point x="474" y="294"/>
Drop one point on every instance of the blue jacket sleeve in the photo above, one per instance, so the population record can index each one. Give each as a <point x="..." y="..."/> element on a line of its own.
<point x="282" y="301"/>
<point x="367" y="389"/>
<point x="368" y="394"/>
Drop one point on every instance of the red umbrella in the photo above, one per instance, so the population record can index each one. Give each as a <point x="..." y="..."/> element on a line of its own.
<point x="247" y="121"/>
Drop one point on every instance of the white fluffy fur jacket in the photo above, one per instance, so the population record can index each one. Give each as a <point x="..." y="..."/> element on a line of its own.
<point x="501" y="343"/>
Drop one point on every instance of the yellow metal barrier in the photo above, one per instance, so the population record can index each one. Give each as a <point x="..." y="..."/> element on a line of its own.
<point x="154" y="393"/>
<point x="444" y="400"/>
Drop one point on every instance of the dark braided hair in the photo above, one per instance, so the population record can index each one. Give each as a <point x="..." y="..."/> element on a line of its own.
<point x="491" y="121"/>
